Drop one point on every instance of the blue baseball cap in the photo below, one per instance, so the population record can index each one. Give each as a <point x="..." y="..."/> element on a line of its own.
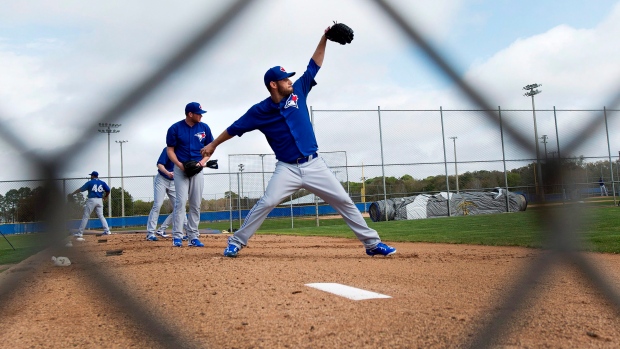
<point x="194" y="107"/>
<point x="276" y="73"/>
<point x="94" y="174"/>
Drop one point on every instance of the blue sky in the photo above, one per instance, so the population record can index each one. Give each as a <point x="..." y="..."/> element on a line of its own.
<point x="65" y="61"/>
<point x="482" y="28"/>
<point x="485" y="27"/>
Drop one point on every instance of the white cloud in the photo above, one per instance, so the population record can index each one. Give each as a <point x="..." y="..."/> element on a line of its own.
<point x="54" y="84"/>
<point x="577" y="67"/>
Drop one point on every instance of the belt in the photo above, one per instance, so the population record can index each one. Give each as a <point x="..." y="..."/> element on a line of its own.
<point x="304" y="159"/>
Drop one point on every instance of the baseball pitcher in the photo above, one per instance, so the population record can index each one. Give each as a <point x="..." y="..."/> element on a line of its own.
<point x="284" y="120"/>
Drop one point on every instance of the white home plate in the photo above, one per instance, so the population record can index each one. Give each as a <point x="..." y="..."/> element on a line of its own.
<point x="356" y="294"/>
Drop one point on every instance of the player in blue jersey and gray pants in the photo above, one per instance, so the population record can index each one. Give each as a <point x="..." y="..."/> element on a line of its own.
<point x="284" y="120"/>
<point x="97" y="191"/>
<point x="163" y="184"/>
<point x="185" y="139"/>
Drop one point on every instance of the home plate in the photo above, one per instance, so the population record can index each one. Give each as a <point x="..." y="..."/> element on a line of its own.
<point x="356" y="294"/>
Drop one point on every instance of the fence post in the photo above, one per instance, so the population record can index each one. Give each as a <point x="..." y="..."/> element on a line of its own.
<point x="292" y="215"/>
<point x="445" y="160"/>
<point x="611" y="172"/>
<point x="559" y="163"/>
<point x="229" y="202"/>
<point x="346" y="169"/>
<point x="316" y="209"/>
<point x="501" y="132"/>
<point x="382" y="161"/>
<point x="239" y="197"/>
<point x="316" y="200"/>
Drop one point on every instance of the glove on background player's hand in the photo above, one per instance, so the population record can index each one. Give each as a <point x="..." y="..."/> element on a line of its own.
<point x="70" y="198"/>
<point x="340" y="33"/>
<point x="192" y="168"/>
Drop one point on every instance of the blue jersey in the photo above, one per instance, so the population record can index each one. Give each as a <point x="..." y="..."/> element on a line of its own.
<point x="96" y="187"/>
<point x="286" y="124"/>
<point x="168" y="164"/>
<point x="187" y="141"/>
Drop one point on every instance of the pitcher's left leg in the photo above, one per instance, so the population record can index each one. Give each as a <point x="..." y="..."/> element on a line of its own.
<point x="319" y="179"/>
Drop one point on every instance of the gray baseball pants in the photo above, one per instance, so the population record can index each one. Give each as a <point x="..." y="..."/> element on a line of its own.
<point x="187" y="189"/>
<point x="161" y="187"/>
<point x="316" y="177"/>
<point x="97" y="205"/>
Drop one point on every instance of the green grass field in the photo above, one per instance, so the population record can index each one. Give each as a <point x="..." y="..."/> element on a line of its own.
<point x="25" y="245"/>
<point x="600" y="231"/>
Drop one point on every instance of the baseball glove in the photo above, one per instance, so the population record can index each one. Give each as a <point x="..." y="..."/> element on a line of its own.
<point x="70" y="198"/>
<point x="340" y="33"/>
<point x="212" y="164"/>
<point x="192" y="168"/>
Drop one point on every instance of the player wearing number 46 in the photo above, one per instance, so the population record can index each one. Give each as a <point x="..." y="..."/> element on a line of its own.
<point x="284" y="120"/>
<point x="97" y="191"/>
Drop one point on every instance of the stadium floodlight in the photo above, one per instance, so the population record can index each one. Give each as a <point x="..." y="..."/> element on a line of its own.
<point x="108" y="128"/>
<point x="544" y="141"/>
<point x="531" y="93"/>
<point x="531" y="89"/>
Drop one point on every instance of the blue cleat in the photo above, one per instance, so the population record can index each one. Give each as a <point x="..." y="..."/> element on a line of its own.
<point x="231" y="251"/>
<point x="151" y="238"/>
<point x="381" y="249"/>
<point x="177" y="242"/>
<point x="185" y="238"/>
<point x="195" y="243"/>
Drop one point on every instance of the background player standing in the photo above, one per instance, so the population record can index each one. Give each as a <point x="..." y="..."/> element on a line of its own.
<point x="98" y="190"/>
<point x="163" y="184"/>
<point x="601" y="183"/>
<point x="284" y="120"/>
<point x="184" y="140"/>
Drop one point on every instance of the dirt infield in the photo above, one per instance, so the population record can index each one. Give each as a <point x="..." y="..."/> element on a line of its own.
<point x="440" y="295"/>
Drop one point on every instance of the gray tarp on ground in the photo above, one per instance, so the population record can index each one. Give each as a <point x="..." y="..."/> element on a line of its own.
<point x="464" y="203"/>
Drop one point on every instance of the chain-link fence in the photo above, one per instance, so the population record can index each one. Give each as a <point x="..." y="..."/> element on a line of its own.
<point x="406" y="144"/>
<point x="406" y="154"/>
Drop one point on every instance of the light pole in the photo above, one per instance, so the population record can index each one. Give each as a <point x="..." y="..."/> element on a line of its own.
<point x="544" y="141"/>
<point x="531" y="93"/>
<point x="363" y="191"/>
<point x="241" y="176"/>
<point x="122" y="180"/>
<point x="105" y="127"/>
<point x="617" y="166"/>
<point x="262" y="165"/>
<point x="456" y="171"/>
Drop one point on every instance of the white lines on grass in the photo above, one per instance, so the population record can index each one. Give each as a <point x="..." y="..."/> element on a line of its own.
<point x="356" y="294"/>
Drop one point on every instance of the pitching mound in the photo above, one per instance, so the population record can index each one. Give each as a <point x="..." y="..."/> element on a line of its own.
<point x="432" y="295"/>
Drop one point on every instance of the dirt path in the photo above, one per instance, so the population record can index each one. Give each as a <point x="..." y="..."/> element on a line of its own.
<point x="440" y="295"/>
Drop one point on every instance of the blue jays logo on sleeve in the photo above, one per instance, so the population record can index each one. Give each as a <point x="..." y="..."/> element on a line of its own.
<point x="291" y="101"/>
<point x="201" y="136"/>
